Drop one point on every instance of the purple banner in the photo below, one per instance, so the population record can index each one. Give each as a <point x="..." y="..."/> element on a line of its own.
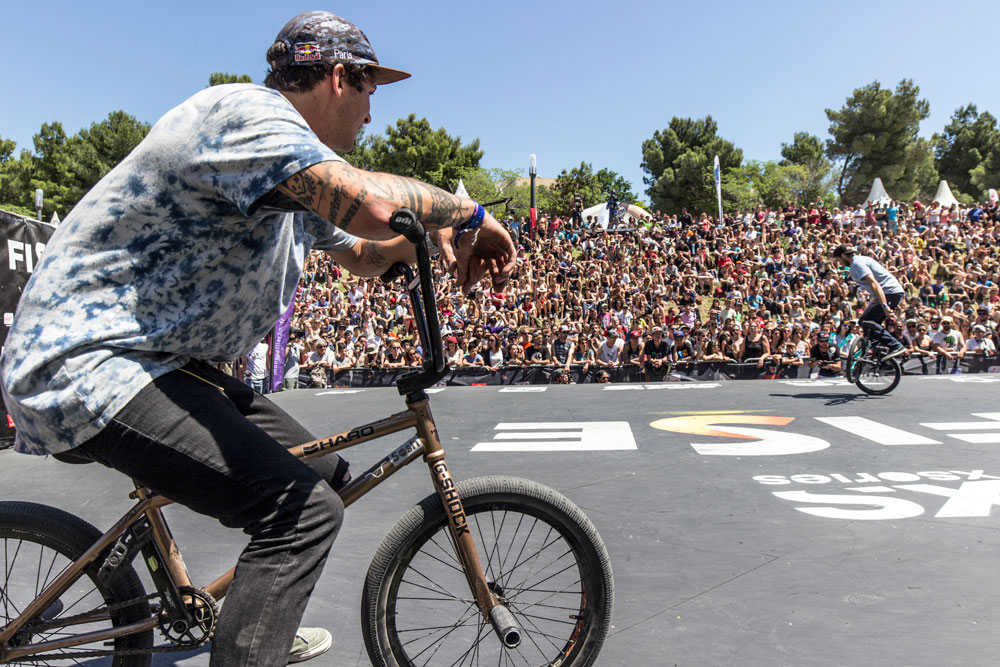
<point x="279" y="344"/>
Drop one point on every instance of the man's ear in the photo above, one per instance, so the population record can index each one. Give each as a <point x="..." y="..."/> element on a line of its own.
<point x="338" y="78"/>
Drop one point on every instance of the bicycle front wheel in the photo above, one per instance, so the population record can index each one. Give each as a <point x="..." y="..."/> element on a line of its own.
<point x="855" y="354"/>
<point x="878" y="379"/>
<point x="542" y="558"/>
<point x="36" y="543"/>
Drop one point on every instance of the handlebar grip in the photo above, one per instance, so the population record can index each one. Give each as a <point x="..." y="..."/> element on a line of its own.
<point x="404" y="221"/>
<point x="395" y="271"/>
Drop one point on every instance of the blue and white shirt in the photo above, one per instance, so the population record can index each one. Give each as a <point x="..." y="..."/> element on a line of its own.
<point x="170" y="257"/>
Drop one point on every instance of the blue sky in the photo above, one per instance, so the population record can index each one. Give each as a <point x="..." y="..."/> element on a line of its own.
<point x="567" y="81"/>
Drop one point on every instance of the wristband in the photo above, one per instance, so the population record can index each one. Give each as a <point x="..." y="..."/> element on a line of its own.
<point x="473" y="223"/>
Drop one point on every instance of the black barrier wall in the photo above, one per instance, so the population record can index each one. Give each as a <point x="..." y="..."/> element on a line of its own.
<point x="24" y="243"/>
<point x="695" y="371"/>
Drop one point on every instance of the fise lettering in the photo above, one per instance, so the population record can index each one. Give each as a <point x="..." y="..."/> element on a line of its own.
<point x="451" y="500"/>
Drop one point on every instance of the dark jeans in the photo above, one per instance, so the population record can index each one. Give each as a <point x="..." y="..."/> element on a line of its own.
<point x="875" y="314"/>
<point x="213" y="444"/>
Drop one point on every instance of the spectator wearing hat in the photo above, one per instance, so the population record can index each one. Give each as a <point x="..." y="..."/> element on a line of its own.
<point x="562" y="346"/>
<point x="609" y="352"/>
<point x="979" y="344"/>
<point x="317" y="363"/>
<point x="656" y="354"/>
<point x="824" y="358"/>
<point x="632" y="351"/>
<point x="683" y="350"/>
<point x="538" y="352"/>
<point x="949" y="344"/>
<point x="453" y="354"/>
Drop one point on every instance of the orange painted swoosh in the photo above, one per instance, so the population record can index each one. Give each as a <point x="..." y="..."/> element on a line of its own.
<point x="703" y="424"/>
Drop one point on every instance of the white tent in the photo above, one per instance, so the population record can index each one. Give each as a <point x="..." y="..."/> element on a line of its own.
<point x="460" y="190"/>
<point x="631" y="216"/>
<point x="878" y="193"/>
<point x="944" y="196"/>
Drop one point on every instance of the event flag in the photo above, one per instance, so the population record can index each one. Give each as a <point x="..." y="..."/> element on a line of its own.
<point x="279" y="344"/>
<point x="718" y="185"/>
<point x="993" y="195"/>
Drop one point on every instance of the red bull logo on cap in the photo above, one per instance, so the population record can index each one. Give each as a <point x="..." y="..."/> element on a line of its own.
<point x="307" y="51"/>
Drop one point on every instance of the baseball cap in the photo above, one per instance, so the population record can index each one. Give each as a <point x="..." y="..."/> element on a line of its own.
<point x="979" y="327"/>
<point x="843" y="250"/>
<point x="321" y="37"/>
<point x="612" y="333"/>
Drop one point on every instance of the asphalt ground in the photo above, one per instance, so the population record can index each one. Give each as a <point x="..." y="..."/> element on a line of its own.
<point x="749" y="523"/>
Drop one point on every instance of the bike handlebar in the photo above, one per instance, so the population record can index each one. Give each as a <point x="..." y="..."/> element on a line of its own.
<point x="420" y="289"/>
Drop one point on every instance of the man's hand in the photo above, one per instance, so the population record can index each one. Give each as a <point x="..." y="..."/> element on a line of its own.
<point x="486" y="250"/>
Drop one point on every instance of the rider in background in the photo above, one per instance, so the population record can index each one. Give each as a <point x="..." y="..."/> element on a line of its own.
<point x="885" y="290"/>
<point x="184" y="256"/>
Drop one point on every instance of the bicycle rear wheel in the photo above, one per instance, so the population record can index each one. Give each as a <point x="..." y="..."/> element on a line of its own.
<point x="855" y="353"/>
<point x="36" y="543"/>
<point x="541" y="555"/>
<point x="878" y="378"/>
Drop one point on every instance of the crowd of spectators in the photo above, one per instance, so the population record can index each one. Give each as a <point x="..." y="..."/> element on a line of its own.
<point x="758" y="288"/>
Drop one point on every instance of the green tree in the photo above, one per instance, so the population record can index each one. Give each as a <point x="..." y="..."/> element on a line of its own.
<point x="9" y="177"/>
<point x="99" y="148"/>
<point x="987" y="174"/>
<point x="967" y="142"/>
<point x="679" y="162"/>
<point x="593" y="188"/>
<point x="807" y="151"/>
<point x="412" y="148"/>
<point x="875" y="134"/>
<point x="53" y="169"/>
<point x="768" y="183"/>
<point x="217" y="78"/>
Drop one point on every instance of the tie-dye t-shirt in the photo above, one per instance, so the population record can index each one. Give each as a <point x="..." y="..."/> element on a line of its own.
<point x="171" y="257"/>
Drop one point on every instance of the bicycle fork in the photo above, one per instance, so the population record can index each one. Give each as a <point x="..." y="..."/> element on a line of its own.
<point x="499" y="616"/>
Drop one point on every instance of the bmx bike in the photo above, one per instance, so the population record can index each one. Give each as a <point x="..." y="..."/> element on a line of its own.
<point x="867" y="367"/>
<point x="492" y="570"/>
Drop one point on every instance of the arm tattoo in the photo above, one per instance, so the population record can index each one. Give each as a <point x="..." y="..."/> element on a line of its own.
<point x="372" y="257"/>
<point x="304" y="187"/>
<point x="325" y="189"/>
<point x="352" y="211"/>
<point x="339" y="192"/>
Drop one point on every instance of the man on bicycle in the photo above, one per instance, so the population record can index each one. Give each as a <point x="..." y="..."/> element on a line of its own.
<point x="885" y="291"/>
<point x="184" y="256"/>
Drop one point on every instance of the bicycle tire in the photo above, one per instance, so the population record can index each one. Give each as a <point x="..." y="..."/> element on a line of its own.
<point x="855" y="352"/>
<point x="514" y="504"/>
<point x="61" y="538"/>
<point x="886" y="368"/>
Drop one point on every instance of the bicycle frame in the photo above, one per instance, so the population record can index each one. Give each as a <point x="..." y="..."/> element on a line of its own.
<point x="150" y="505"/>
<point x="426" y="442"/>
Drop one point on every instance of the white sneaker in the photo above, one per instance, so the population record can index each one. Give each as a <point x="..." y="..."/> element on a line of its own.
<point x="310" y="642"/>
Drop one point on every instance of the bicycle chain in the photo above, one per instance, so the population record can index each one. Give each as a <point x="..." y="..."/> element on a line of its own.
<point x="99" y="653"/>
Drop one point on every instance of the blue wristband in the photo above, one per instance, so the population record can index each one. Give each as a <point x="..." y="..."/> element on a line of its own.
<point x="473" y="223"/>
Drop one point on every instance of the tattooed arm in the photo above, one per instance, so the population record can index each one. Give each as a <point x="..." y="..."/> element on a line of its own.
<point x="361" y="202"/>
<point x="373" y="258"/>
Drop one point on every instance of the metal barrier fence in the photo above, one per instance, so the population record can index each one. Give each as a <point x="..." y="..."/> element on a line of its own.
<point x="710" y="371"/>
